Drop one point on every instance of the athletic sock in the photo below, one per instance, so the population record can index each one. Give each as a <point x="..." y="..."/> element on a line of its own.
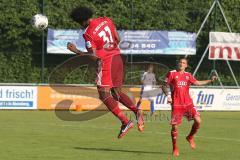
<point x="126" y="101"/>
<point x="112" y="105"/>
<point x="174" y="135"/>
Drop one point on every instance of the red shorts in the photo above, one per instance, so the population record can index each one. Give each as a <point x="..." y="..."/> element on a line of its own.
<point x="188" y="111"/>
<point x="110" y="72"/>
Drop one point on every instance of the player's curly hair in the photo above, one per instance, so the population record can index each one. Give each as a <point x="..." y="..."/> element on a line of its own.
<point x="81" y="14"/>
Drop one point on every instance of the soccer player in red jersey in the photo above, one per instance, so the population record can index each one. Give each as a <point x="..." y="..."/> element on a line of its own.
<point x="101" y="40"/>
<point x="176" y="88"/>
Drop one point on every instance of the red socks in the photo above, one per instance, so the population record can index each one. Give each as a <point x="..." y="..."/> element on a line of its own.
<point x="126" y="101"/>
<point x="174" y="135"/>
<point x="112" y="105"/>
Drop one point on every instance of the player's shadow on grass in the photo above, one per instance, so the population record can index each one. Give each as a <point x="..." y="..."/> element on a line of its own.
<point x="118" y="150"/>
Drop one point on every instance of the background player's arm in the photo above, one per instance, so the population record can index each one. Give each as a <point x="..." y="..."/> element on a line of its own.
<point x="143" y="78"/>
<point x="154" y="80"/>
<point x="204" y="82"/>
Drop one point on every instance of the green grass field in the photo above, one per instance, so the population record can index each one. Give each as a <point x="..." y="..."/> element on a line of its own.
<point x="40" y="135"/>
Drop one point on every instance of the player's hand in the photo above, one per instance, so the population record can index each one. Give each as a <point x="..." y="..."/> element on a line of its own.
<point x="169" y="99"/>
<point x="72" y="47"/>
<point x="213" y="78"/>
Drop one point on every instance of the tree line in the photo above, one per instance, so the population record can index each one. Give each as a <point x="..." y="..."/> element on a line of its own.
<point x="21" y="44"/>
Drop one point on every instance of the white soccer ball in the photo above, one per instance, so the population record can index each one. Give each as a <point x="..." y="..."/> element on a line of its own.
<point x="40" y="21"/>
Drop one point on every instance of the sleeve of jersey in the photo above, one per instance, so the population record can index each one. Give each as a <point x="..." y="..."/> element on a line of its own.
<point x="112" y="24"/>
<point x="168" y="78"/>
<point x="192" y="79"/>
<point x="110" y="21"/>
<point x="89" y="44"/>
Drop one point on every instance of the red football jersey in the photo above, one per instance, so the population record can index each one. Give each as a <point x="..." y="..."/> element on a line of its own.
<point x="101" y="34"/>
<point x="180" y="83"/>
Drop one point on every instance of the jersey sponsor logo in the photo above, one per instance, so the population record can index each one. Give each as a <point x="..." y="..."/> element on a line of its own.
<point x="181" y="83"/>
<point x="88" y="44"/>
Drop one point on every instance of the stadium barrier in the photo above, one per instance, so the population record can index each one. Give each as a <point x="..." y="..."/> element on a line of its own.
<point x="214" y="99"/>
<point x="78" y="97"/>
<point x="18" y="97"/>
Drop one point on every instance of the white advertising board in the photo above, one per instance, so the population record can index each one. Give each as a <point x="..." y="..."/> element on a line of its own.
<point x="18" y="97"/>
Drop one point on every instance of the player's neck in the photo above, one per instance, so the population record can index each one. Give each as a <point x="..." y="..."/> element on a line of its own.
<point x="89" y="20"/>
<point x="87" y="23"/>
<point x="181" y="71"/>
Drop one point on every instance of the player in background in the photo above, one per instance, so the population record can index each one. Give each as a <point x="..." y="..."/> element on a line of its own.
<point x="176" y="88"/>
<point x="101" y="40"/>
<point x="148" y="80"/>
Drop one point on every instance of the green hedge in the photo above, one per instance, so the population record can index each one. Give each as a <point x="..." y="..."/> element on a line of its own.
<point x="20" y="44"/>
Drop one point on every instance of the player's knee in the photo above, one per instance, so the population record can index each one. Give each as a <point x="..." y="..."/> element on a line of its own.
<point x="103" y="97"/>
<point x="174" y="128"/>
<point x="197" y="125"/>
<point x="198" y="120"/>
<point x="103" y="94"/>
<point x="116" y="93"/>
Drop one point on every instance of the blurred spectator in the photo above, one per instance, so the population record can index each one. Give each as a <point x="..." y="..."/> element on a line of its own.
<point x="148" y="81"/>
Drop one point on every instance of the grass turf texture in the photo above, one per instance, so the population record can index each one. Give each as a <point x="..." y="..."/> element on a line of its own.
<point x="40" y="135"/>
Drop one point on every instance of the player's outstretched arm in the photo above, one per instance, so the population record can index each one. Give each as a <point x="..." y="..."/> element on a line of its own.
<point x="204" y="82"/>
<point x="72" y="47"/>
